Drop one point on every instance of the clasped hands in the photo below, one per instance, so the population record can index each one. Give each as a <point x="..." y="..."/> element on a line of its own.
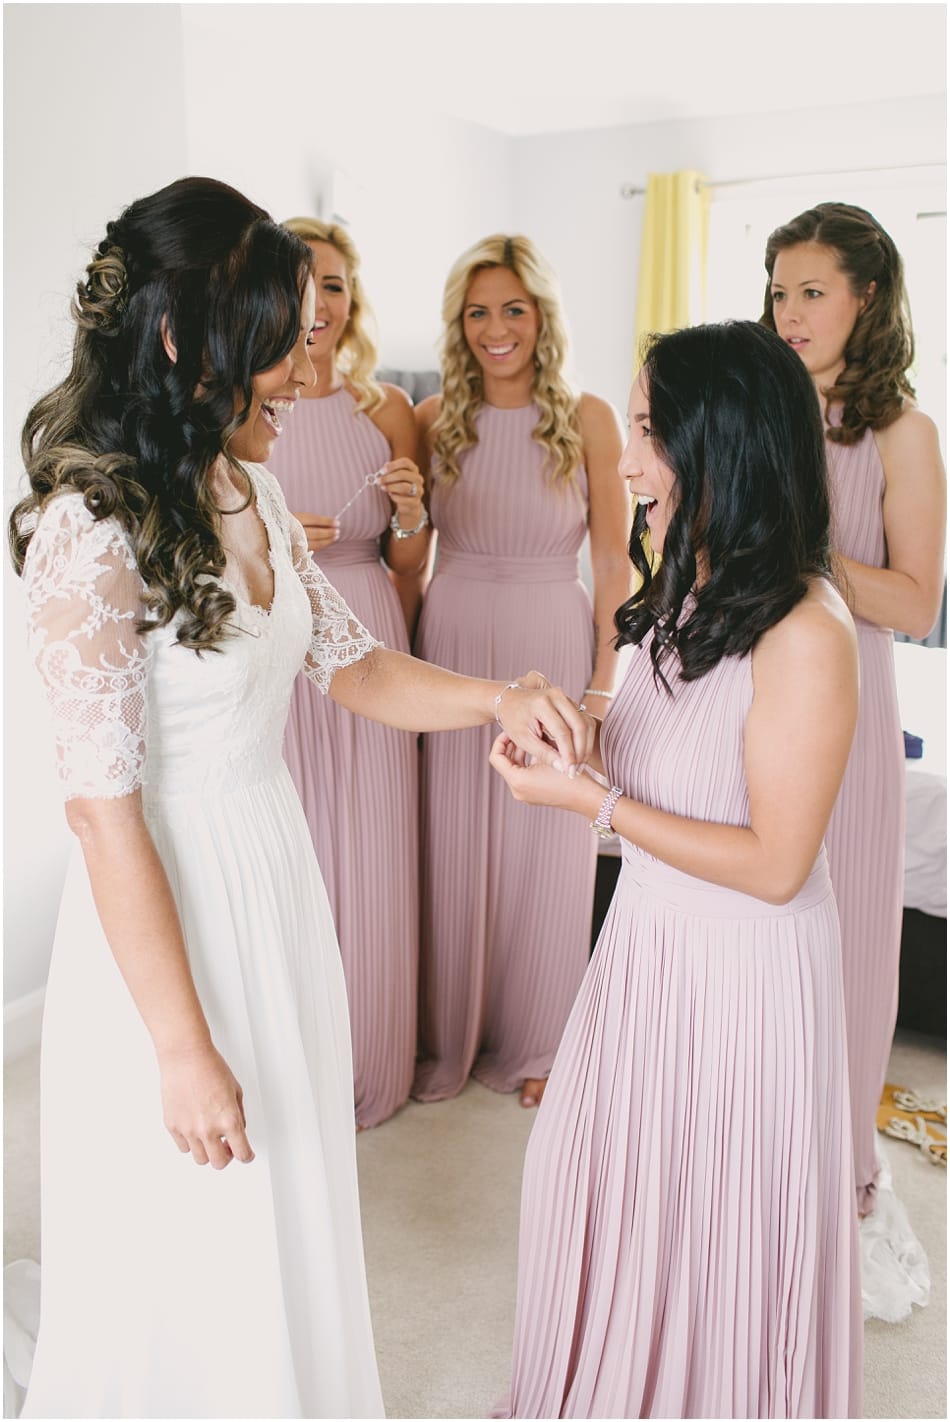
<point x="545" y="743"/>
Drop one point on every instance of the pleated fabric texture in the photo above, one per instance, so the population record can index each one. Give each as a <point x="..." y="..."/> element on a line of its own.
<point x="507" y="888"/>
<point x="866" y="835"/>
<point x="688" y="1237"/>
<point x="358" y="780"/>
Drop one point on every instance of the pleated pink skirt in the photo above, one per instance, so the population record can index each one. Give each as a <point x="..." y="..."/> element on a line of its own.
<point x="358" y="782"/>
<point x="688" y="1235"/>
<point x="507" y="888"/>
<point x="865" y="842"/>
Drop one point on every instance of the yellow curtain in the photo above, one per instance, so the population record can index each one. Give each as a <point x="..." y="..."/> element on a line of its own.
<point x="672" y="286"/>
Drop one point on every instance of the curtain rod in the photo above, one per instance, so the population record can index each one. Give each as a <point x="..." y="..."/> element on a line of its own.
<point x="629" y="190"/>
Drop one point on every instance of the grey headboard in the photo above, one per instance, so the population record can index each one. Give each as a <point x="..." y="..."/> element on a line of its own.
<point x="418" y="384"/>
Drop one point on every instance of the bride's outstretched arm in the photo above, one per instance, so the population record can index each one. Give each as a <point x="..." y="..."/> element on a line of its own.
<point x="416" y="696"/>
<point x="345" y="660"/>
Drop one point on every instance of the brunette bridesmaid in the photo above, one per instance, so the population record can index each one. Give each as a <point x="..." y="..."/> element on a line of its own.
<point x="346" y="462"/>
<point x="521" y="470"/>
<point x="836" y="295"/>
<point x="688" y="1240"/>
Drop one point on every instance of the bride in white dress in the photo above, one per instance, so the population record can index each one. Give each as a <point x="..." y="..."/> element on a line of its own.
<point x="195" y="972"/>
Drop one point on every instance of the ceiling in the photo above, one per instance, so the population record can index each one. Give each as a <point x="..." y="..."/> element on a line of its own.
<point x="551" y="67"/>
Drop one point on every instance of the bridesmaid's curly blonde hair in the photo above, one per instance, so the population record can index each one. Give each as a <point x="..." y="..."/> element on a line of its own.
<point x="558" y="427"/>
<point x="356" y="353"/>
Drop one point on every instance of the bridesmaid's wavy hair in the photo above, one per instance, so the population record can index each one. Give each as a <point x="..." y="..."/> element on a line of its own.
<point x="558" y="427"/>
<point x="357" y="352"/>
<point x="137" y="433"/>
<point x="873" y="385"/>
<point x="734" y="415"/>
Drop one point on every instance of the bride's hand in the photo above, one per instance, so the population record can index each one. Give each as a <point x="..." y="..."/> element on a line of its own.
<point x="203" y="1106"/>
<point x="543" y="721"/>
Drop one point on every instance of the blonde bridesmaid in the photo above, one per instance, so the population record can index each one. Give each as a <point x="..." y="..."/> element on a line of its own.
<point x="346" y="463"/>
<point x="521" y="469"/>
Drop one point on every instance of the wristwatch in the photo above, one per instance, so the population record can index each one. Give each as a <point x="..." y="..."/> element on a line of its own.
<point x="398" y="532"/>
<point x="601" y="825"/>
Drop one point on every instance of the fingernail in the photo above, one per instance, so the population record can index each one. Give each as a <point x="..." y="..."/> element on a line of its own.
<point x="559" y="765"/>
<point x="573" y="772"/>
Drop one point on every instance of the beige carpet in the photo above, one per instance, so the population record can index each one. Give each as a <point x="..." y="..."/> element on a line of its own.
<point x="440" y="1189"/>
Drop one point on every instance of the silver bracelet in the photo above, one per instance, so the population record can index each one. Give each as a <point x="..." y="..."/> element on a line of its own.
<point x="512" y="686"/>
<point x="589" y="691"/>
<point x="398" y="532"/>
<point x="601" y="825"/>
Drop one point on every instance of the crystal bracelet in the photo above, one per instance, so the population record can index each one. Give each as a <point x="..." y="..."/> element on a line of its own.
<point x="512" y="686"/>
<point x="589" y="691"/>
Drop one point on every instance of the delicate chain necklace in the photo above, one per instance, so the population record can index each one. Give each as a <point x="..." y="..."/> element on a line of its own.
<point x="368" y="480"/>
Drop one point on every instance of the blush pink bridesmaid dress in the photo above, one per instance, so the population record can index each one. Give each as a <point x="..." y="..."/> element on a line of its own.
<point x="358" y="780"/>
<point x="507" y="888"/>
<point x="688" y="1240"/>
<point x="866" y="836"/>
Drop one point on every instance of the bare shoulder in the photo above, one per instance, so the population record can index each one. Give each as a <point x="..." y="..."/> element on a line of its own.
<point x="913" y="434"/>
<point x="427" y="412"/>
<point x="598" y="418"/>
<point x="395" y="395"/>
<point x="394" y="416"/>
<point x="817" y="633"/>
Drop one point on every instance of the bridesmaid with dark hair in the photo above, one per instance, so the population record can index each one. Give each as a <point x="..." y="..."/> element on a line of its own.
<point x="688" y="1238"/>
<point x="836" y="296"/>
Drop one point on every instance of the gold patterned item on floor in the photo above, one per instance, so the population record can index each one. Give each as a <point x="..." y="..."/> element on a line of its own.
<point x="919" y="1120"/>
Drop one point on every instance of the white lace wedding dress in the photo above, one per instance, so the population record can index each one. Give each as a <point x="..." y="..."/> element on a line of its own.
<point x="169" y="1290"/>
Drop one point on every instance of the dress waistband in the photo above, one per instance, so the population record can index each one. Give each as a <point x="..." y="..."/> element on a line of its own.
<point x="354" y="550"/>
<point x="486" y="568"/>
<point x="691" y="895"/>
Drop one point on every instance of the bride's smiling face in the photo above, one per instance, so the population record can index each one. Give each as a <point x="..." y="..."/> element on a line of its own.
<point x="276" y="391"/>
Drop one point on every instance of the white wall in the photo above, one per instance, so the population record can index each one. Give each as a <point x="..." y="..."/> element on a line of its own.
<point x="107" y="102"/>
<point x="86" y="131"/>
<point x="566" y="191"/>
<point x="415" y="188"/>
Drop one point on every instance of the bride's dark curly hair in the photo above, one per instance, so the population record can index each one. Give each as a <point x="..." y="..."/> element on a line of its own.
<point x="871" y="388"/>
<point x="137" y="432"/>
<point x="734" y="415"/>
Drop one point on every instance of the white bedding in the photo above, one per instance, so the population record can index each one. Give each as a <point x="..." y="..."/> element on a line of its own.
<point x="922" y="693"/>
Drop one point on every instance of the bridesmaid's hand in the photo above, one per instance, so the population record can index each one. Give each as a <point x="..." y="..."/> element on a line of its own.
<point x="535" y="784"/>
<point x="543" y="721"/>
<point x="321" y="530"/>
<point x="405" y="486"/>
<point x="203" y="1106"/>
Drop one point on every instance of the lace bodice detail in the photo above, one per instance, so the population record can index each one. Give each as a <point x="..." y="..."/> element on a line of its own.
<point x="133" y="710"/>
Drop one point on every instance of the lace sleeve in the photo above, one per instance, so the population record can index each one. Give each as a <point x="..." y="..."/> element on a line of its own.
<point x="84" y="598"/>
<point x="338" y="638"/>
